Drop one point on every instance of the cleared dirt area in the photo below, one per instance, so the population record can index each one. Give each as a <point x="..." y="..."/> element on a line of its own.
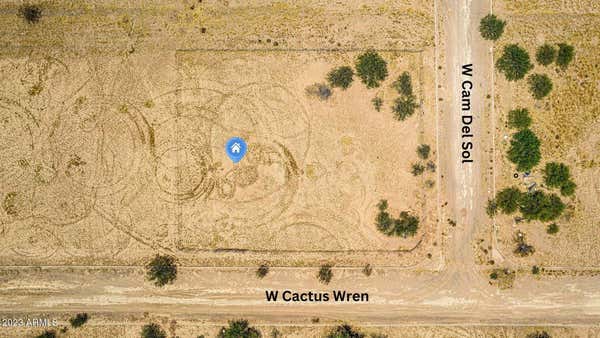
<point x="566" y="123"/>
<point x="113" y="140"/>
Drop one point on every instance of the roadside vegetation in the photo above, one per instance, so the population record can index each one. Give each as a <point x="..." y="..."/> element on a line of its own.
<point x="325" y="274"/>
<point x="162" y="270"/>
<point x="514" y="62"/>
<point x="239" y="329"/>
<point x="345" y="331"/>
<point x="153" y="330"/>
<point x="262" y="271"/>
<point x="405" y="105"/>
<point x="405" y="225"/>
<point x="491" y="28"/>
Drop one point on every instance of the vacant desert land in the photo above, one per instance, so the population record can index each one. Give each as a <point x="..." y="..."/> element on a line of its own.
<point x="111" y="154"/>
<point x="566" y="122"/>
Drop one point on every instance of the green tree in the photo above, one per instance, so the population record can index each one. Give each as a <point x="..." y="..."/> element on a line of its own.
<point x="79" y="319"/>
<point x="524" y="150"/>
<point x="325" y="274"/>
<point x="514" y="62"/>
<point x="491" y="28"/>
<point x="404" y="84"/>
<point x="540" y="206"/>
<point x="153" y="330"/>
<point x="552" y="229"/>
<point x="406" y="225"/>
<point x="404" y="107"/>
<point x="162" y="270"/>
<point x="540" y="85"/>
<point x="239" y="329"/>
<point x="565" y="55"/>
<point x="507" y="199"/>
<point x="545" y="55"/>
<point x="340" y="77"/>
<point x="371" y="68"/>
<point x="344" y="331"/>
<point x="519" y="118"/>
<point x="423" y="151"/>
<point x="556" y="175"/>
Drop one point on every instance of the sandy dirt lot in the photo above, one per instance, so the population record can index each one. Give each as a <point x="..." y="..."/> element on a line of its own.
<point x="566" y="123"/>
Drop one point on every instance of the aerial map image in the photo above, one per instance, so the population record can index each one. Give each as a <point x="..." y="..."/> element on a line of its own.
<point x="299" y="168"/>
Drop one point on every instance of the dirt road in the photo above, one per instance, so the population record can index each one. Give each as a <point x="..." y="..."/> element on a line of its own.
<point x="458" y="294"/>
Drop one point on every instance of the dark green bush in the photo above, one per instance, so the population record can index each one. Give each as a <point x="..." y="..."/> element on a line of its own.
<point x="524" y="150"/>
<point x="79" y="319"/>
<point x="535" y="270"/>
<point x="377" y="103"/>
<point x="340" y="77"/>
<point x="344" y="331"/>
<point x="514" y="62"/>
<point x="371" y="68"/>
<point x="262" y="271"/>
<point x="404" y="84"/>
<point x="540" y="85"/>
<point x="507" y="200"/>
<point x="423" y="151"/>
<point x="545" y="55"/>
<point x="565" y="55"/>
<point x="491" y="28"/>
<point x="552" y="228"/>
<point x="540" y="206"/>
<point x="557" y="175"/>
<point x="162" y="270"/>
<point x="325" y="274"/>
<point x="406" y="225"/>
<point x="417" y="169"/>
<point x="31" y="13"/>
<point x="153" y="330"/>
<point x="239" y="329"/>
<point x="404" y="107"/>
<point x="519" y="118"/>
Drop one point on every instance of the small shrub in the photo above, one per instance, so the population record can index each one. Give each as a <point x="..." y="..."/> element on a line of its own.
<point x="429" y="183"/>
<point x="377" y="103"/>
<point x="340" y="77"/>
<point x="539" y="334"/>
<point x="319" y="90"/>
<point x="492" y="208"/>
<point x="540" y="85"/>
<point x="519" y="118"/>
<point x="423" y="151"/>
<point x="431" y="166"/>
<point x="404" y="84"/>
<point x="417" y="169"/>
<point x="524" y="150"/>
<point x="79" y="319"/>
<point x="325" y="274"/>
<point x="153" y="330"/>
<point x="568" y="188"/>
<point x="535" y="270"/>
<point x="545" y="55"/>
<point x="405" y="225"/>
<point x="162" y="270"/>
<point x="262" y="271"/>
<point x="239" y="329"/>
<point x="523" y="249"/>
<point x="565" y="55"/>
<point x="494" y="275"/>
<point x="371" y="68"/>
<point x="514" y="62"/>
<point x="404" y="107"/>
<point x="503" y="278"/>
<point x="344" y="331"/>
<point x="276" y="333"/>
<point x="47" y="334"/>
<point x="491" y="28"/>
<point x="31" y="13"/>
<point x="367" y="270"/>
<point x="552" y="229"/>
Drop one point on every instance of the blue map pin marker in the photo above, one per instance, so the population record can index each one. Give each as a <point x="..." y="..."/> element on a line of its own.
<point x="236" y="149"/>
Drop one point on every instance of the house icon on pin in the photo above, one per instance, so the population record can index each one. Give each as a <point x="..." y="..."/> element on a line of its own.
<point x="236" y="148"/>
